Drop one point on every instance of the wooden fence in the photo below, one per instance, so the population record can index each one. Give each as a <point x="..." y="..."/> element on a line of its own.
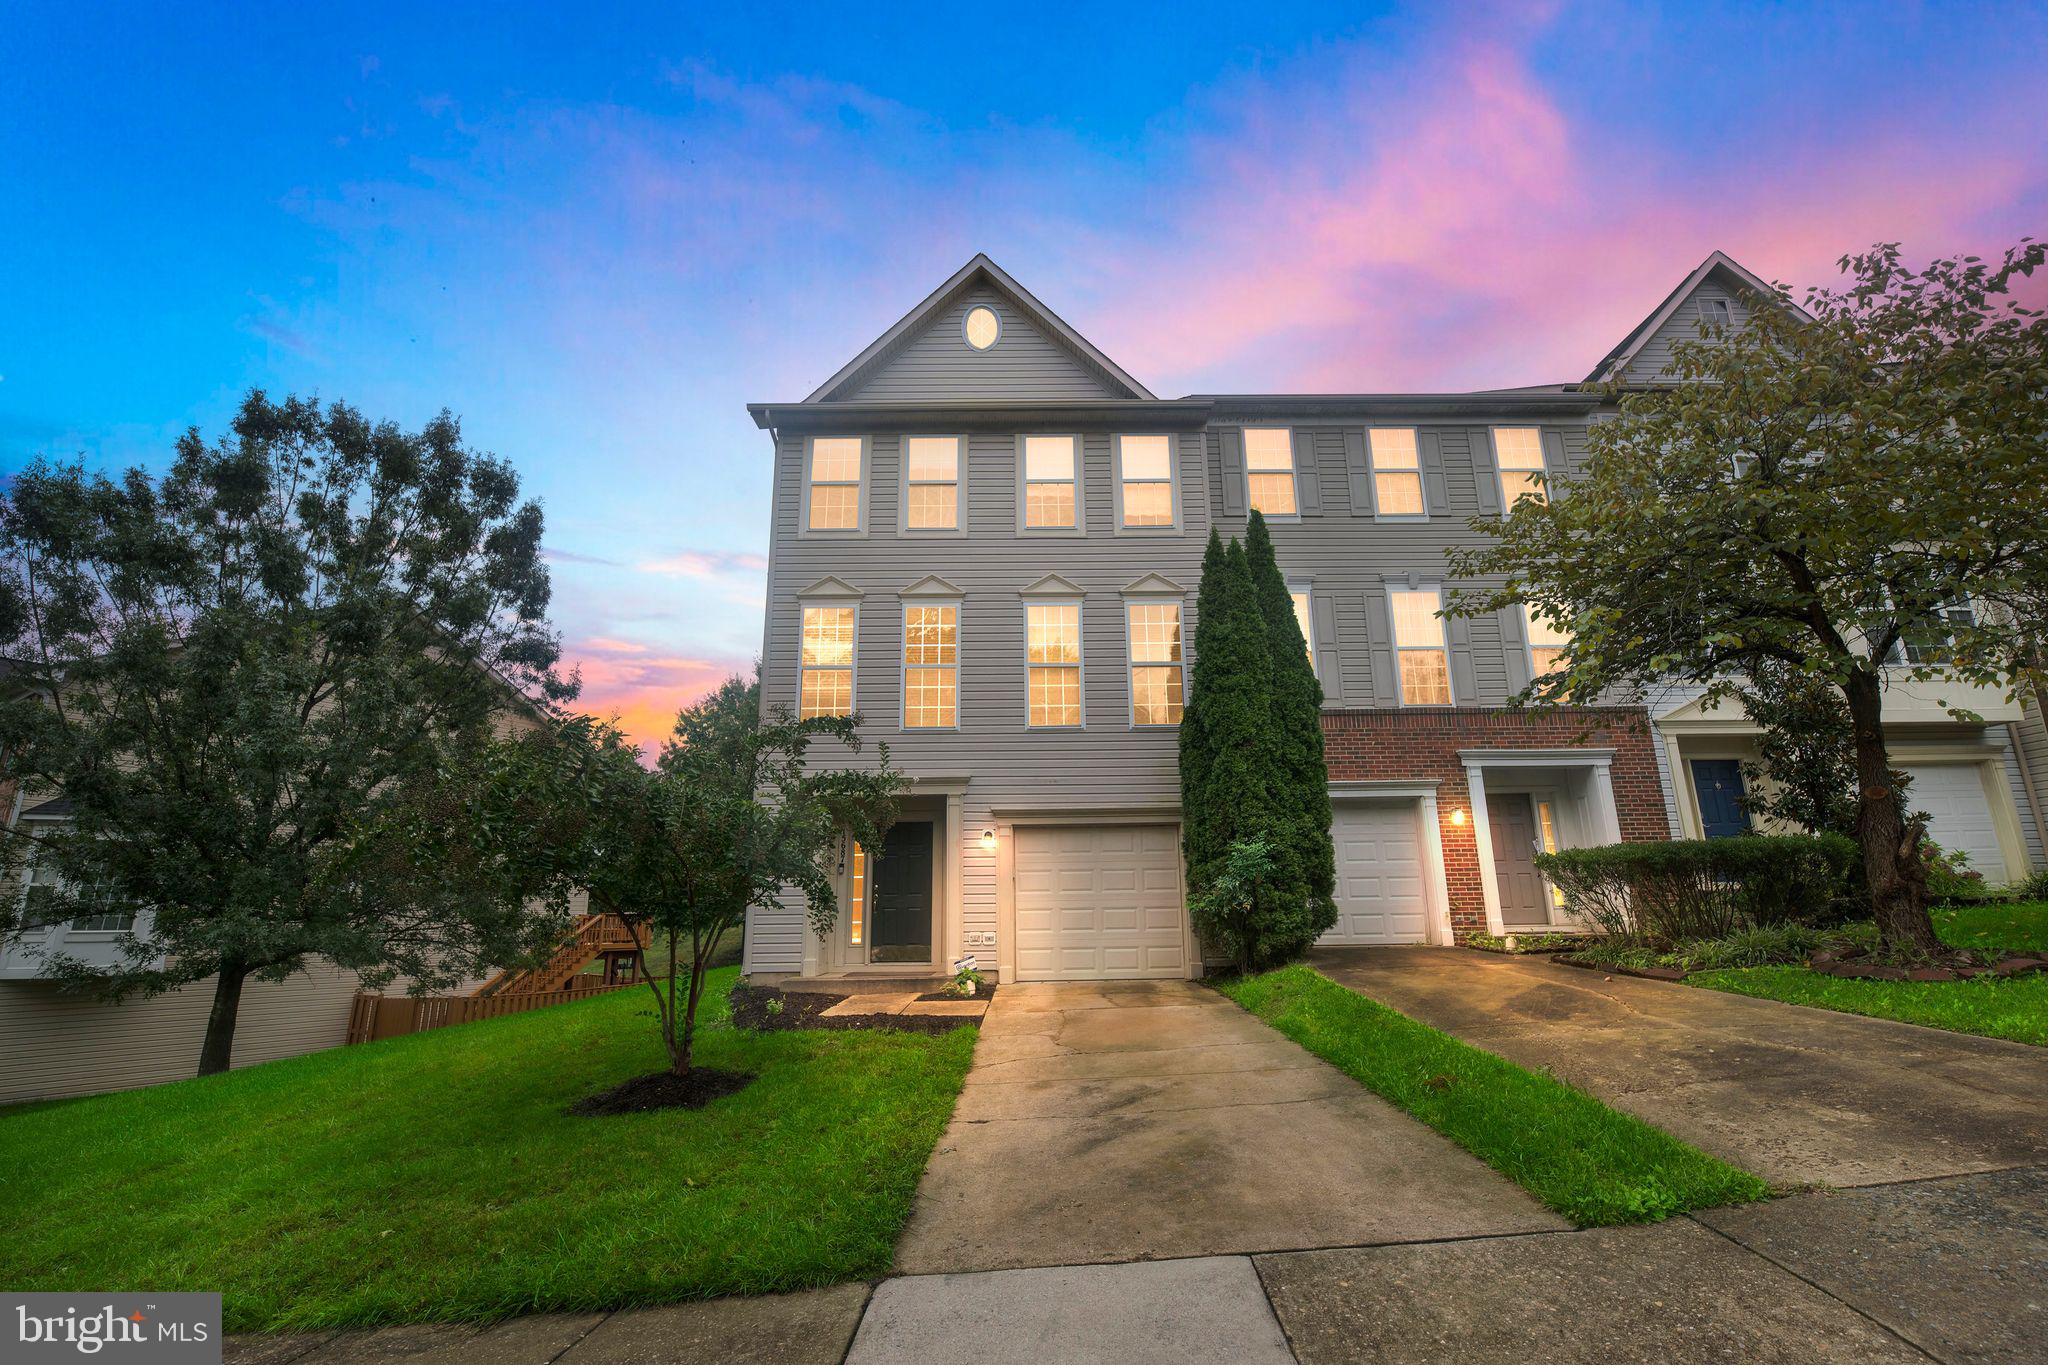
<point x="391" y="1016"/>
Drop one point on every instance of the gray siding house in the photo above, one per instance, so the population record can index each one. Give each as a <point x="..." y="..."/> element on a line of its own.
<point x="986" y="539"/>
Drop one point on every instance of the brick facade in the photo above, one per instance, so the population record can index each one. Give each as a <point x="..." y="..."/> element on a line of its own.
<point x="1414" y="745"/>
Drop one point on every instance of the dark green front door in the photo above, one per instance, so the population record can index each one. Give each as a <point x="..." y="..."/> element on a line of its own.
<point x="903" y="895"/>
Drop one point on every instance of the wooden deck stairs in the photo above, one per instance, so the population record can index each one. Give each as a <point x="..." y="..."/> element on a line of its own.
<point x="591" y="937"/>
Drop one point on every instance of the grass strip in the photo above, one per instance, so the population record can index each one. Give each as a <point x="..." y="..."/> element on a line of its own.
<point x="1592" y="1164"/>
<point x="2012" y="1008"/>
<point x="437" y="1177"/>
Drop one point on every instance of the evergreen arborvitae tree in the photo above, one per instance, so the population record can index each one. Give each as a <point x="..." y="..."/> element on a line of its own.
<point x="1232" y="794"/>
<point x="1297" y="705"/>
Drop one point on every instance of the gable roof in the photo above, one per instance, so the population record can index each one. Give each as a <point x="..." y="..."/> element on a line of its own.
<point x="1617" y="361"/>
<point x="980" y="270"/>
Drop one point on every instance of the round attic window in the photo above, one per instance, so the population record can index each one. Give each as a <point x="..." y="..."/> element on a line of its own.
<point x="983" y="327"/>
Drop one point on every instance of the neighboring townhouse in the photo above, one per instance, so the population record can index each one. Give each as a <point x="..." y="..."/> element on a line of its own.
<point x="986" y="539"/>
<point x="57" y="1043"/>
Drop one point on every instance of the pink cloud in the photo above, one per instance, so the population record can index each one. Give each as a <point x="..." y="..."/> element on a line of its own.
<point x="640" y="688"/>
<point x="1457" y="229"/>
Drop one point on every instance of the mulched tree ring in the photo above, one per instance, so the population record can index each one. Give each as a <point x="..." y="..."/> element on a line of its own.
<point x="1956" y="966"/>
<point x="664" y="1090"/>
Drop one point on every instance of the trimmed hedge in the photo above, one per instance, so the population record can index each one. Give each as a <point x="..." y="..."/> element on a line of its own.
<point x="1682" y="890"/>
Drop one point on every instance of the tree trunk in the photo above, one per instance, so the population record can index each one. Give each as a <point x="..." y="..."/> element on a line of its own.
<point x="219" y="1048"/>
<point x="1891" y="852"/>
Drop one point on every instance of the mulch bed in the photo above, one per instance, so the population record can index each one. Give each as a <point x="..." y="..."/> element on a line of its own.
<point x="806" y="1010"/>
<point x="1952" y="967"/>
<point x="664" y="1090"/>
<point x="982" y="992"/>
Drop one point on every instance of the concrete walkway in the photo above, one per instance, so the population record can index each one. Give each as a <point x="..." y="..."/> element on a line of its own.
<point x="1129" y="1121"/>
<point x="1797" y="1095"/>
<point x="1949" y="1270"/>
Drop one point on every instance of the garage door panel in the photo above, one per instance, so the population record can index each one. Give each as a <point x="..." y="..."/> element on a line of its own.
<point x="1381" y="888"/>
<point x="1099" y="902"/>
<point x="1958" y="816"/>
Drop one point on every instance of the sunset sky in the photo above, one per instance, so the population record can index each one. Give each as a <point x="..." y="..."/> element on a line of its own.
<point x="596" y="232"/>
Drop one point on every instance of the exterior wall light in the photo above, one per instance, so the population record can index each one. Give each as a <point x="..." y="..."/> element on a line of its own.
<point x="1458" y="817"/>
<point x="988" y="841"/>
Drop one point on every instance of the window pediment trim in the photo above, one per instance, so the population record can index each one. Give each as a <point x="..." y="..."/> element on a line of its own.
<point x="1153" y="585"/>
<point x="1052" y="585"/>
<point x="932" y="586"/>
<point x="828" y="589"/>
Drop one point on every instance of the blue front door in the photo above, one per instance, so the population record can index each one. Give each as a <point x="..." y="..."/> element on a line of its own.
<point x="1718" y="784"/>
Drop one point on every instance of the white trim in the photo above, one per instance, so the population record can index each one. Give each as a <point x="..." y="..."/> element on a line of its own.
<point x="1416" y="585"/>
<point x="1536" y="758"/>
<point x="994" y="341"/>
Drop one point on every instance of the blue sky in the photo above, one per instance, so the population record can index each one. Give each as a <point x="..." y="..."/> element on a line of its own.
<point x="596" y="232"/>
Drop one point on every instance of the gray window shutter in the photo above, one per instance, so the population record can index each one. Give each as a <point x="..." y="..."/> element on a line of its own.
<point x="1464" y="678"/>
<point x="1329" y="667"/>
<point x="1233" y="473"/>
<point x="1379" y="629"/>
<point x="1555" y="471"/>
<point x="1484" y="474"/>
<point x="1308" y="482"/>
<point x="1515" y="642"/>
<point x="1360" y="475"/>
<point x="1436" y="496"/>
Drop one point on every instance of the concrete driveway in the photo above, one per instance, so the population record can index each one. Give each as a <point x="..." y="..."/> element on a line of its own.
<point x="1144" y="1120"/>
<point x="1796" y="1095"/>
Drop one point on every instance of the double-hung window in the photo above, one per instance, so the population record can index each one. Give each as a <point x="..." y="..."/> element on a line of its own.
<point x="1547" y="643"/>
<point x="1158" y="690"/>
<point x="1714" y="313"/>
<point x="100" y="912"/>
<point x="832" y="483"/>
<point x="931" y="666"/>
<point x="1299" y="595"/>
<point x="1933" y="640"/>
<point x="1052" y="500"/>
<point x="1269" y="470"/>
<point x="1052" y="663"/>
<point x="1518" y="456"/>
<point x="1396" y="472"/>
<point x="1144" y="482"/>
<point x="1425" y="662"/>
<point x="826" y="662"/>
<point x="931" y="483"/>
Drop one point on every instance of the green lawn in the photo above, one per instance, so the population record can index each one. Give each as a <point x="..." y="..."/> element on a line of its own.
<point x="436" y="1176"/>
<point x="2015" y="1008"/>
<point x="1594" y="1165"/>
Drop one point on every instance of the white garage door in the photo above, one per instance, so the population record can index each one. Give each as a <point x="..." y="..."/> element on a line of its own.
<point x="1381" y="895"/>
<point x="1959" y="818"/>
<point x="1099" y="901"/>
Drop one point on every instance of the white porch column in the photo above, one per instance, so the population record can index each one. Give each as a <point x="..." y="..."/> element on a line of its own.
<point x="1606" y="819"/>
<point x="1482" y="839"/>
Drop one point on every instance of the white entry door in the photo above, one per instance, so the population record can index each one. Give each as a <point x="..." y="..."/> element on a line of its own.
<point x="1099" y="901"/>
<point x="1958" y="816"/>
<point x="1382" y="893"/>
